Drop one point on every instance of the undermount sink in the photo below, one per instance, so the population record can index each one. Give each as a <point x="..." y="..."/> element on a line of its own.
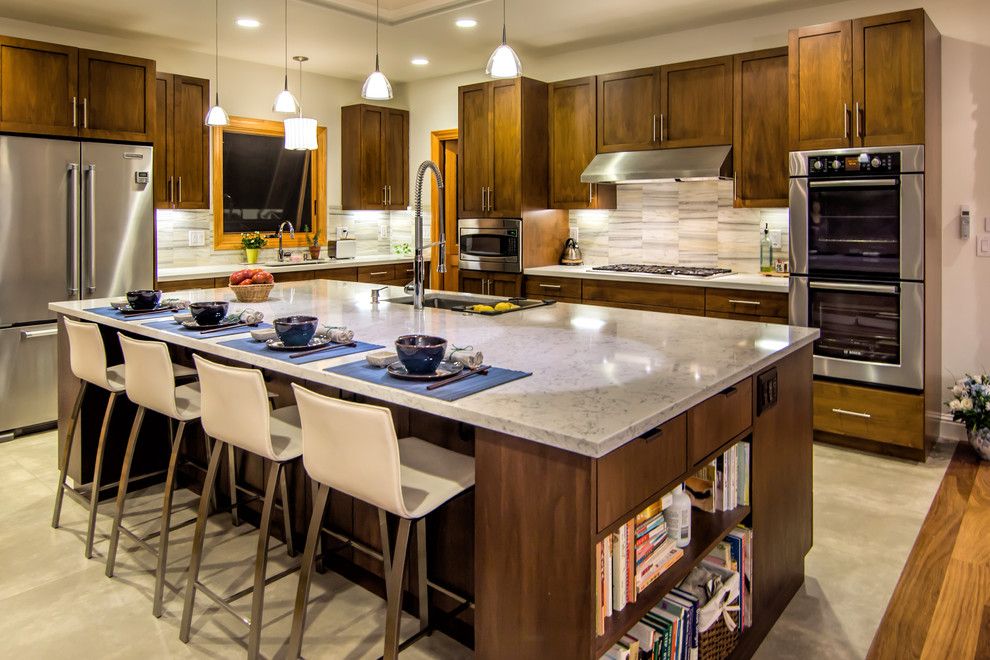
<point x="441" y="302"/>
<point x="296" y="263"/>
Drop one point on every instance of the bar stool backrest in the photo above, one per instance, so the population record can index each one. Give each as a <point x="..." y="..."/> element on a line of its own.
<point x="87" y="357"/>
<point x="235" y="406"/>
<point x="148" y="375"/>
<point x="352" y="447"/>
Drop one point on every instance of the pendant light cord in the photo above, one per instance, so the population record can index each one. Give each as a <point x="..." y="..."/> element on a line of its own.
<point x="377" y="23"/>
<point x="503" y="22"/>
<point x="285" y="32"/>
<point x="216" y="44"/>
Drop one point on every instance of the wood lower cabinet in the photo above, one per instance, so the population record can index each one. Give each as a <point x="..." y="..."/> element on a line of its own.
<point x="182" y="142"/>
<point x="759" y="128"/>
<point x="564" y="289"/>
<point x="636" y="295"/>
<point x="505" y="285"/>
<point x="628" y="110"/>
<point x="696" y="103"/>
<point x="747" y="305"/>
<point x="820" y="99"/>
<point x="375" y="165"/>
<point x="336" y="274"/>
<point x="38" y="87"/>
<point x="118" y="97"/>
<point x="573" y="107"/>
<point x="882" y="416"/>
<point x="718" y="420"/>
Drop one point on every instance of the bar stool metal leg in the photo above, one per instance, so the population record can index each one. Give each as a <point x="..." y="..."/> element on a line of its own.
<point x="423" y="587"/>
<point x="206" y="454"/>
<point x="261" y="562"/>
<point x="393" y="589"/>
<point x="94" y="495"/>
<point x="125" y="473"/>
<point x="232" y="475"/>
<point x="386" y="549"/>
<point x="306" y="572"/>
<point x="156" y="607"/>
<point x="63" y="466"/>
<point x="283" y="487"/>
<point x="197" y="548"/>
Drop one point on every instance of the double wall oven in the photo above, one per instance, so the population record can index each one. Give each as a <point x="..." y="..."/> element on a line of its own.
<point x="857" y="261"/>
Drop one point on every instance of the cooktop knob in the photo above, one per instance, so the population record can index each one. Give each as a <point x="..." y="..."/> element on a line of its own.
<point x="836" y="164"/>
<point x="817" y="165"/>
<point x="875" y="162"/>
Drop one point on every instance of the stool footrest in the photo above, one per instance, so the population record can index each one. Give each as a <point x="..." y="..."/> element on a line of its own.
<point x="225" y="601"/>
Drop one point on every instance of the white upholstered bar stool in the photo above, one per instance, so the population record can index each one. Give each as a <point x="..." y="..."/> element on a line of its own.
<point x="236" y="412"/>
<point x="353" y="448"/>
<point x="150" y="384"/>
<point x="88" y="362"/>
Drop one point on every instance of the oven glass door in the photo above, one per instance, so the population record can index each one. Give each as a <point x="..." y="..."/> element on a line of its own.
<point x="488" y="245"/>
<point x="858" y="322"/>
<point x="854" y="227"/>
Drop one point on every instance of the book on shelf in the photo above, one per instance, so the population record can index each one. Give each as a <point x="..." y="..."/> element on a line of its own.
<point x="722" y="484"/>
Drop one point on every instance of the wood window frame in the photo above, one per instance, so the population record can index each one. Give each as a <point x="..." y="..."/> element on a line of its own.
<point x="318" y="174"/>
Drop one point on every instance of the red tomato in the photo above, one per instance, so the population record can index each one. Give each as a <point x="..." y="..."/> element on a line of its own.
<point x="259" y="278"/>
<point x="246" y="282"/>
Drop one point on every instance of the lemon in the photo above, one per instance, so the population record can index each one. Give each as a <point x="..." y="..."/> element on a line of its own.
<point x="505" y="307"/>
<point x="483" y="308"/>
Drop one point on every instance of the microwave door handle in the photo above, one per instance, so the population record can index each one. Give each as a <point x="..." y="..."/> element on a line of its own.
<point x="854" y="287"/>
<point x="853" y="183"/>
<point x="73" y="218"/>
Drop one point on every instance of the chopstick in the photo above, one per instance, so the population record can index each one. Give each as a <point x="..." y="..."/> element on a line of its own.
<point x="483" y="369"/>
<point x="222" y="327"/>
<point x="148" y="311"/>
<point x="323" y="348"/>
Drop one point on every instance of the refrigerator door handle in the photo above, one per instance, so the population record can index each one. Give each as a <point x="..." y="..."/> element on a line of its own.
<point x="73" y="217"/>
<point x="91" y="228"/>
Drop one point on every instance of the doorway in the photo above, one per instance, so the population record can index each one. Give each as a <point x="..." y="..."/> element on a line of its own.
<point x="443" y="151"/>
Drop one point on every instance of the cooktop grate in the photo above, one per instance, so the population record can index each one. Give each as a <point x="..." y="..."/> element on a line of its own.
<point x="653" y="269"/>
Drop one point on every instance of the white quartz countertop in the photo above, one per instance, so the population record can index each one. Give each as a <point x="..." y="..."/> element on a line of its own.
<point x="223" y="270"/>
<point x="601" y="376"/>
<point x="748" y="281"/>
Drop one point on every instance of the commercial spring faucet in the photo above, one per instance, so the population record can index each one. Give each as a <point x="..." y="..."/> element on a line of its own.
<point x="278" y="234"/>
<point x="417" y="285"/>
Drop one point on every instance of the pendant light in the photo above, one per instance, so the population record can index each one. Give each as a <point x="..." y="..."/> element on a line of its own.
<point x="300" y="132"/>
<point x="217" y="116"/>
<point x="504" y="63"/>
<point x="377" y="87"/>
<point x="285" y="102"/>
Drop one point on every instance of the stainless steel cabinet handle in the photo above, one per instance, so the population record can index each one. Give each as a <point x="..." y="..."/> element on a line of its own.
<point x="38" y="334"/>
<point x="483" y="198"/>
<point x="845" y="120"/>
<point x="491" y="198"/>
<point x="73" y="214"/>
<point x="853" y="183"/>
<point x="591" y="193"/>
<point x="75" y="120"/>
<point x="171" y="190"/>
<point x="661" y="127"/>
<point x="754" y="303"/>
<point x="852" y="413"/>
<point x="854" y="287"/>
<point x="90" y="226"/>
<point x="654" y="128"/>
<point x="85" y="113"/>
<point x="180" y="190"/>
<point x="388" y="195"/>
<point x="550" y="286"/>
<point x="384" y="195"/>
<point x="859" y="128"/>
<point x="381" y="272"/>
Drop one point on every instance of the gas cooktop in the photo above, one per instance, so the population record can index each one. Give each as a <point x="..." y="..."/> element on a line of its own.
<point x="651" y="269"/>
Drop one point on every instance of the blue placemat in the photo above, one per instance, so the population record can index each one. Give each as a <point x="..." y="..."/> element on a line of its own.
<point x="172" y="326"/>
<point x="452" y="392"/>
<point x="252" y="346"/>
<point x="112" y="313"/>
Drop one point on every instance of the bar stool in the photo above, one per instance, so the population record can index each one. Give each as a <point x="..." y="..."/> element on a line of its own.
<point x="88" y="362"/>
<point x="236" y="413"/>
<point x="151" y="385"/>
<point x="352" y="448"/>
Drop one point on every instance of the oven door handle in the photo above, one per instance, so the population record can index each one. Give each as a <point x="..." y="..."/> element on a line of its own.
<point x="853" y="183"/>
<point x="861" y="288"/>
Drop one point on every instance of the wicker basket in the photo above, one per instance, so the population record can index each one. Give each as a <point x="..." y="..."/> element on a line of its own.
<point x="252" y="293"/>
<point x="718" y="642"/>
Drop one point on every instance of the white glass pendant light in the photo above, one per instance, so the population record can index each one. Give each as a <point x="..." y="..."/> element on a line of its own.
<point x="377" y="87"/>
<point x="504" y="63"/>
<point x="300" y="132"/>
<point x="217" y="116"/>
<point x="285" y="102"/>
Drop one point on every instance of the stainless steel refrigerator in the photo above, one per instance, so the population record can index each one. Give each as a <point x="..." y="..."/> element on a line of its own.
<point x="76" y="222"/>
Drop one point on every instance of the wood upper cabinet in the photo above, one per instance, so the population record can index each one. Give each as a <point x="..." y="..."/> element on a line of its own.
<point x="696" y="103"/>
<point x="182" y="142"/>
<point x="38" y="87"/>
<point x="572" y="127"/>
<point x="375" y="157"/>
<point x="502" y="148"/>
<point x="118" y="97"/>
<point x="759" y="144"/>
<point x="628" y="110"/>
<point x="820" y="72"/>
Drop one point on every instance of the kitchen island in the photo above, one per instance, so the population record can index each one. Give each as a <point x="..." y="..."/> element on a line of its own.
<point x="621" y="406"/>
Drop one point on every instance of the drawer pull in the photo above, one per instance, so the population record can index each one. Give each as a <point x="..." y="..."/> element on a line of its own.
<point x="38" y="334"/>
<point x="754" y="303"/>
<point x="851" y="413"/>
<point x="550" y="286"/>
<point x="729" y="392"/>
<point x="381" y="272"/>
<point x="653" y="435"/>
<point x="410" y="270"/>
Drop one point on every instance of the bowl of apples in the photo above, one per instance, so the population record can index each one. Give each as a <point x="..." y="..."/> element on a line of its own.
<point x="252" y="285"/>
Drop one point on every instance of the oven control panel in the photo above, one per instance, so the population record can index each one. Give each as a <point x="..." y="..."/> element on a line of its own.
<point x="852" y="165"/>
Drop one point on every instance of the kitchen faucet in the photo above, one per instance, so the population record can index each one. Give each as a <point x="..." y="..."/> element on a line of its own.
<point x="278" y="235"/>
<point x="417" y="286"/>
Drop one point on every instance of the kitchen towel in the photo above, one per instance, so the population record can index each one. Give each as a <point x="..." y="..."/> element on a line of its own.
<point x="470" y="385"/>
<point x="252" y="346"/>
<point x="172" y="326"/>
<point x="112" y="313"/>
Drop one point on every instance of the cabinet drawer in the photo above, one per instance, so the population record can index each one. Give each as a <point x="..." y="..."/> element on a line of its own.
<point x="874" y="414"/>
<point x="553" y="287"/>
<point x="376" y="274"/>
<point x="294" y="276"/>
<point x="182" y="285"/>
<point x="779" y="320"/>
<point x="651" y="295"/>
<point x="339" y="274"/>
<point x="747" y="303"/>
<point x="719" y="419"/>
<point x="638" y="469"/>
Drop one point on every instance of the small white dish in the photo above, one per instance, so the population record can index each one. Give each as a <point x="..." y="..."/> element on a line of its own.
<point x="263" y="334"/>
<point x="382" y="358"/>
<point x="181" y="319"/>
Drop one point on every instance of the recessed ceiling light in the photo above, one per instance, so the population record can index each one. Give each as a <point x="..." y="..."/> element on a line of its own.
<point x="248" y="22"/>
<point x="466" y="23"/>
<point x="419" y="61"/>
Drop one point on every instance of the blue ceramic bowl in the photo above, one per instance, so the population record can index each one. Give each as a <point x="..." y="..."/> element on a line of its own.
<point x="144" y="299"/>
<point x="208" y="313"/>
<point x="420" y="354"/>
<point x="296" y="330"/>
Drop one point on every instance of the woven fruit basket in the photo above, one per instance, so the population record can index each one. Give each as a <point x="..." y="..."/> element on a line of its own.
<point x="252" y="293"/>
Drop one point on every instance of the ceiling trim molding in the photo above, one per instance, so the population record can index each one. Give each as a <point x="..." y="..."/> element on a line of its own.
<point x="392" y="17"/>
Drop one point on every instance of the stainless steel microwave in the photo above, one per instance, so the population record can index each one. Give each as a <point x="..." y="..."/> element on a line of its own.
<point x="493" y="244"/>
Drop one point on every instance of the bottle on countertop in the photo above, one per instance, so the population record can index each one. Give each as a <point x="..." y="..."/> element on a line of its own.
<point x="678" y="517"/>
<point x="766" y="251"/>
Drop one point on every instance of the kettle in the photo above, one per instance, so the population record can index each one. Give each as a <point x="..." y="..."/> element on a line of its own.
<point x="571" y="254"/>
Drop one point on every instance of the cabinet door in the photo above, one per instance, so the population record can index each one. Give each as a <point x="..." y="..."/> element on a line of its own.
<point x="38" y="91"/>
<point x="396" y="158"/>
<point x="505" y="196"/>
<point x="190" y="150"/>
<point x="162" y="173"/>
<point x="506" y="286"/>
<point x="820" y="99"/>
<point x="759" y="145"/>
<point x="474" y="145"/>
<point x="118" y="96"/>
<point x="372" y="147"/>
<point x="696" y="103"/>
<point x="473" y="282"/>
<point x="572" y="146"/>
<point x="889" y="79"/>
<point x="628" y="110"/>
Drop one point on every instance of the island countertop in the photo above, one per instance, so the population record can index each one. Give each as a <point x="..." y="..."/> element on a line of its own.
<point x="601" y="376"/>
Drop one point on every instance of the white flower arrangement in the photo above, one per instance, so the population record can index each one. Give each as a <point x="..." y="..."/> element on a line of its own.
<point x="971" y="402"/>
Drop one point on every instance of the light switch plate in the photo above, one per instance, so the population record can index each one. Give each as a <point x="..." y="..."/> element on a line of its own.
<point x="383" y="232"/>
<point x="573" y="231"/>
<point x="197" y="238"/>
<point x="986" y="224"/>
<point x="983" y="246"/>
<point x="775" y="238"/>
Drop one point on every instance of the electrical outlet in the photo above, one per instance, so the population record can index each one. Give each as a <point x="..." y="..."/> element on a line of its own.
<point x="383" y="232"/>
<point x="986" y="224"/>
<point x="197" y="238"/>
<point x="766" y="390"/>
<point x="775" y="238"/>
<point x="574" y="234"/>
<point x="983" y="247"/>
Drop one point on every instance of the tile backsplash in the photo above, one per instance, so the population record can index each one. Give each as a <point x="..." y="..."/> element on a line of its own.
<point x="690" y="223"/>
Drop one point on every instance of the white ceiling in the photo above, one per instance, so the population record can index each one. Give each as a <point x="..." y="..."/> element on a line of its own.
<point x="338" y="36"/>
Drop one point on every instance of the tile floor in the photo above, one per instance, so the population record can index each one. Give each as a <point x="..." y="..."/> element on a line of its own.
<point x="55" y="603"/>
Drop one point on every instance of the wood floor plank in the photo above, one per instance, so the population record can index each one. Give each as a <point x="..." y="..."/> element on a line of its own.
<point x="983" y="644"/>
<point x="954" y="629"/>
<point x="971" y="545"/>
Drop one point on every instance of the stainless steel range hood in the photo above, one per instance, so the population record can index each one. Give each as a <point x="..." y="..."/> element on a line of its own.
<point x="660" y="165"/>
